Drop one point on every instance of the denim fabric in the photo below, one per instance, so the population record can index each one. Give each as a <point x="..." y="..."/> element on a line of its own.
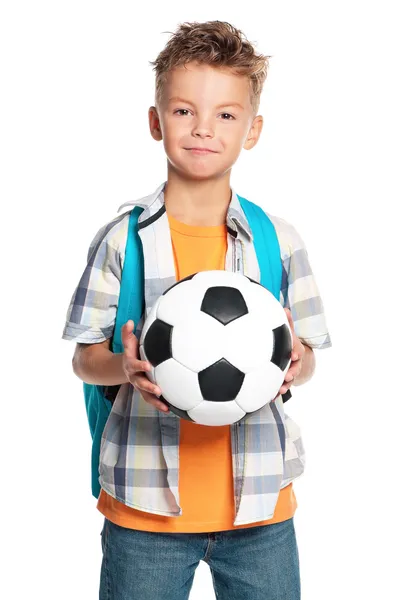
<point x="254" y="563"/>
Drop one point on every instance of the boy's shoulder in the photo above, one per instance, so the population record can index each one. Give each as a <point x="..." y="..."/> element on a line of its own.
<point x="114" y="233"/>
<point x="289" y="239"/>
<point x="111" y="235"/>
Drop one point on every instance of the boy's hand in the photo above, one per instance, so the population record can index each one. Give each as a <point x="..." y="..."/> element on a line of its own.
<point x="135" y="369"/>
<point x="298" y="352"/>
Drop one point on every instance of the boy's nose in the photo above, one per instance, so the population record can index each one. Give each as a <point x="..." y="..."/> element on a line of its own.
<point x="203" y="131"/>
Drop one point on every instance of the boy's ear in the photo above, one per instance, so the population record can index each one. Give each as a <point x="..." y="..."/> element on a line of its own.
<point x="254" y="133"/>
<point x="154" y="124"/>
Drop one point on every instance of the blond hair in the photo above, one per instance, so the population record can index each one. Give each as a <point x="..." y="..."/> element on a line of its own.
<point x="214" y="43"/>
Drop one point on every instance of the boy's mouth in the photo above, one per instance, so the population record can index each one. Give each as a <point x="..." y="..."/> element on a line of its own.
<point x="201" y="151"/>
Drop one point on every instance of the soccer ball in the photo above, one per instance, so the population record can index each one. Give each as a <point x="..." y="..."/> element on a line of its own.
<point x="219" y="345"/>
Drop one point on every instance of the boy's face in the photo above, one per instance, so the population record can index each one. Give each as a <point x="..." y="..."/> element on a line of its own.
<point x="205" y="118"/>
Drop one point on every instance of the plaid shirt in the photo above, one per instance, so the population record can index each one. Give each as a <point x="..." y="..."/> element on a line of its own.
<point x="139" y="447"/>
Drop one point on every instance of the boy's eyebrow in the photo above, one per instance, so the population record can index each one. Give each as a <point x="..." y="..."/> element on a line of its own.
<point x="178" y="99"/>
<point x="223" y="105"/>
<point x="227" y="104"/>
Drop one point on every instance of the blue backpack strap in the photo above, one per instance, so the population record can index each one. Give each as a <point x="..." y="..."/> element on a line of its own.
<point x="268" y="252"/>
<point x="131" y="295"/>
<point x="266" y="245"/>
<point x="130" y="306"/>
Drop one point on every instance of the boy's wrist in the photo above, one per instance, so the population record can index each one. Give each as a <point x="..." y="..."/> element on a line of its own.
<point x="100" y="366"/>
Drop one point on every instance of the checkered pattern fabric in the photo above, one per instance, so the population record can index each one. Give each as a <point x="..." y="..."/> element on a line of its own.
<point x="139" y="447"/>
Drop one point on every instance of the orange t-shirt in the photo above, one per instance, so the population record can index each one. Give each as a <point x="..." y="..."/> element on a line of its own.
<point x="205" y="470"/>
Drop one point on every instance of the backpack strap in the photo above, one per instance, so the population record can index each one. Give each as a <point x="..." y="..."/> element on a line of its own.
<point x="98" y="398"/>
<point x="268" y="252"/>
<point x="131" y="296"/>
<point x="266" y="245"/>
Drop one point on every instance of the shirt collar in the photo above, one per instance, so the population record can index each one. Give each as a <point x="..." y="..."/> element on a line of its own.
<point x="236" y="219"/>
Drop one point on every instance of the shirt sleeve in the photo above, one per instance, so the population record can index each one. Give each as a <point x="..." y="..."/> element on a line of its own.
<point x="303" y="297"/>
<point x="91" y="315"/>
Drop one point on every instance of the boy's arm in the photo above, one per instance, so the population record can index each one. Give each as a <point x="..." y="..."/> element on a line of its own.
<point x="305" y="309"/>
<point x="97" y="364"/>
<point x="302" y="295"/>
<point x="302" y="364"/>
<point x="91" y="314"/>
<point x="91" y="317"/>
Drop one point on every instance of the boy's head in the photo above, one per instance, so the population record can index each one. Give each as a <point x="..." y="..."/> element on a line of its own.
<point x="208" y="85"/>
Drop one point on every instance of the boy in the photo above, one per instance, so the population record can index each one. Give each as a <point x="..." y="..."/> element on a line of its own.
<point x="174" y="492"/>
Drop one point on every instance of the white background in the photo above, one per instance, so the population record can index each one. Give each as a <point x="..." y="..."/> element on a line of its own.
<point x="75" y="144"/>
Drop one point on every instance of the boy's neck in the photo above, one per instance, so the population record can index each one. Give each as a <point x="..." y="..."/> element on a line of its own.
<point x="202" y="203"/>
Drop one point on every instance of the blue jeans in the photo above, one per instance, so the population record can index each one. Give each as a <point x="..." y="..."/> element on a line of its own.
<point x="255" y="563"/>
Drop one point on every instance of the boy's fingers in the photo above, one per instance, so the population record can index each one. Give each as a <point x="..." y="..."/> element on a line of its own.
<point x="285" y="387"/>
<point x="143" y="384"/>
<point x="155" y="402"/>
<point x="140" y="366"/>
<point x="128" y="326"/>
<point x="129" y="340"/>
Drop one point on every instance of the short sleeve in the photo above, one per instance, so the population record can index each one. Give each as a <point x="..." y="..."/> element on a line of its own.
<point x="92" y="309"/>
<point x="303" y="298"/>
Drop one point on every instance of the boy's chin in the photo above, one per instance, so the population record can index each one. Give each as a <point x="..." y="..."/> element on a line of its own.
<point x="202" y="174"/>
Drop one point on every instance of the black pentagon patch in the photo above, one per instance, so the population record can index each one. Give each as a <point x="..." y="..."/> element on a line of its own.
<point x="282" y="347"/>
<point x="178" y="283"/>
<point x="220" y="382"/>
<point x="224" y="304"/>
<point x="177" y="411"/>
<point x="157" y="342"/>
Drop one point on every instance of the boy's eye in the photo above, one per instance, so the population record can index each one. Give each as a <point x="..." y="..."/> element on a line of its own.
<point x="185" y="111"/>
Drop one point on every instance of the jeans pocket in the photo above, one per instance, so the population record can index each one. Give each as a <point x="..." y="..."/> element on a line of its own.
<point x="103" y="535"/>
